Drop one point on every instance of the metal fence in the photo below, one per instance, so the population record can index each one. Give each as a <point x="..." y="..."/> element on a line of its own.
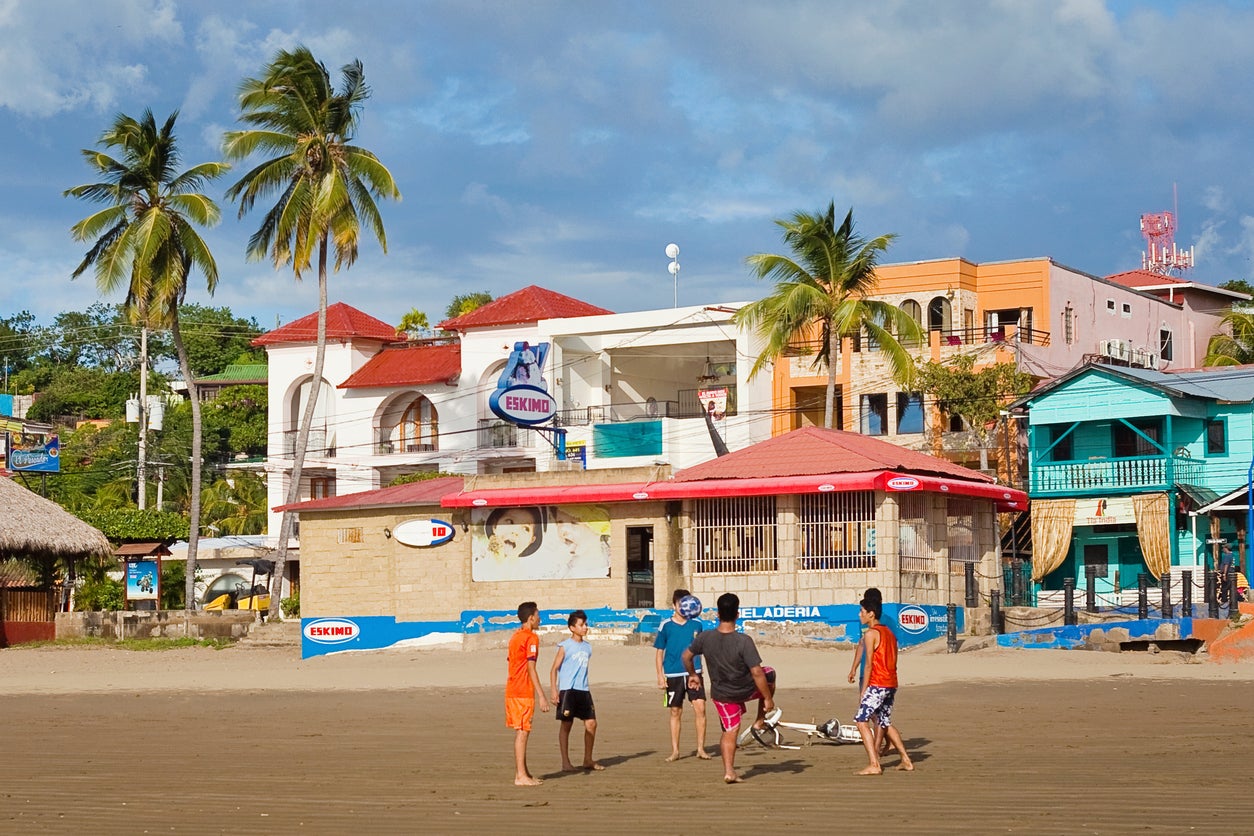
<point x="735" y="535"/>
<point x="837" y="531"/>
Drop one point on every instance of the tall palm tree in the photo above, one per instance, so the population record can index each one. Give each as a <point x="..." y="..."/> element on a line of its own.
<point x="235" y="506"/>
<point x="826" y="282"/>
<point x="146" y="239"/>
<point x="1235" y="346"/>
<point x="325" y="189"/>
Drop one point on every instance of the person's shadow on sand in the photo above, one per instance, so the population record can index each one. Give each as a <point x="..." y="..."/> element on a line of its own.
<point x="607" y="763"/>
<point x="794" y="767"/>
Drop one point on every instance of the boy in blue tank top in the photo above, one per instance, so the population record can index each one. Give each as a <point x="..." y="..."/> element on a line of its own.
<point x="568" y="680"/>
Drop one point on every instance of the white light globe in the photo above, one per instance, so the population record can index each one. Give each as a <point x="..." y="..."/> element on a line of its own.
<point x="672" y="250"/>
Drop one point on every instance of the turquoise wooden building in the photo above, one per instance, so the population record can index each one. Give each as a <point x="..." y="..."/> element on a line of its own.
<point x="1135" y="470"/>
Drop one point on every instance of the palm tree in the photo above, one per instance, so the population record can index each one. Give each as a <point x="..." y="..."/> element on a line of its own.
<point x="325" y="189"/>
<point x="235" y="506"/>
<point x="826" y="282"/>
<point x="1236" y="346"/>
<point x="146" y="240"/>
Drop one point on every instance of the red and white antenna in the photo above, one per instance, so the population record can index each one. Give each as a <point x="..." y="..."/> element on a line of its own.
<point x="1161" y="254"/>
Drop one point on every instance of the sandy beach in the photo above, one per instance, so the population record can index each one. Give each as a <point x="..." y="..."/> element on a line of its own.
<point x="413" y="741"/>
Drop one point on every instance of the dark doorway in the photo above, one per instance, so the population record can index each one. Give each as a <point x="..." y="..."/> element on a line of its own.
<point x="640" y="566"/>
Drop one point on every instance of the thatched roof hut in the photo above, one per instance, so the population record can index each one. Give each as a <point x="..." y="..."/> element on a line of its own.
<point x="32" y="526"/>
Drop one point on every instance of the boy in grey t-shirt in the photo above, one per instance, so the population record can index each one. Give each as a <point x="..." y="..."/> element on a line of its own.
<point x="736" y="677"/>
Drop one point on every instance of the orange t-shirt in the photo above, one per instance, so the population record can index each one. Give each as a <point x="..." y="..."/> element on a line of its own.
<point x="524" y="647"/>
<point x="884" y="660"/>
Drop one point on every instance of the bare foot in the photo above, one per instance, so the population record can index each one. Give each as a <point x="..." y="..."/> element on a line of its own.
<point x="905" y="766"/>
<point x="569" y="767"/>
<point x="871" y="770"/>
<point x="593" y="767"/>
<point x="703" y="755"/>
<point x="674" y="756"/>
<point x="733" y="779"/>
<point x="528" y="781"/>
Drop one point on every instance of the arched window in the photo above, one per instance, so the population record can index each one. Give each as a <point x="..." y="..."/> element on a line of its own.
<point x="913" y="310"/>
<point x="939" y="314"/>
<point x="419" y="429"/>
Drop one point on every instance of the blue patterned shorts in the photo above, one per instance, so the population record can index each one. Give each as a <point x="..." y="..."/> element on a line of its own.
<point x="877" y="702"/>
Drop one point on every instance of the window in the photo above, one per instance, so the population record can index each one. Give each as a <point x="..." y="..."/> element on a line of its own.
<point x="961" y="525"/>
<point x="1129" y="443"/>
<point x="912" y="537"/>
<point x="1068" y="325"/>
<point x="909" y="412"/>
<point x="913" y="310"/>
<point x="939" y="314"/>
<point x="1097" y="555"/>
<point x="1164" y="344"/>
<point x="874" y="419"/>
<point x="734" y="535"/>
<point x="837" y="531"/>
<point x="1216" y="437"/>
<point x="1062" y="451"/>
<point x="319" y="487"/>
<point x="1110" y="306"/>
<point x="420" y="427"/>
<point x="1127" y="311"/>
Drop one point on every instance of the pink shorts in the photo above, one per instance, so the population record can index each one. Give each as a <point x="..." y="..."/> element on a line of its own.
<point x="729" y="713"/>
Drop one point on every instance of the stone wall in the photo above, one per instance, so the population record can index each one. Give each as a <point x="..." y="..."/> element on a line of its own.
<point x="130" y="624"/>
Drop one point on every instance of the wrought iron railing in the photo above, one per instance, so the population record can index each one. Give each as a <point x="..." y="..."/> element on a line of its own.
<point x="495" y="433"/>
<point x="316" y="445"/>
<point x="687" y="404"/>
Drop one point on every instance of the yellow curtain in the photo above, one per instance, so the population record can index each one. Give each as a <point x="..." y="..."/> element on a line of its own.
<point x="1052" y="520"/>
<point x="1154" y="531"/>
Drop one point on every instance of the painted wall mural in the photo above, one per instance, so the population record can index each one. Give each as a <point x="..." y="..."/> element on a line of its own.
<point x="540" y="543"/>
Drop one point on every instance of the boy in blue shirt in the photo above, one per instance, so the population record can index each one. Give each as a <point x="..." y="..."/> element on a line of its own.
<point x="568" y="680"/>
<point x="672" y="640"/>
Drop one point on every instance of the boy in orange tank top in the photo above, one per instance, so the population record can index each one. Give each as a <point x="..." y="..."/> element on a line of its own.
<point x="880" y="687"/>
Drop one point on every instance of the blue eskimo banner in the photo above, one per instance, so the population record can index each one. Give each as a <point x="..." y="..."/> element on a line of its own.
<point x="912" y="625"/>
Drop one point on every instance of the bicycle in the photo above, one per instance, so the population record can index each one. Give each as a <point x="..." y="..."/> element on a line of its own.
<point x="770" y="735"/>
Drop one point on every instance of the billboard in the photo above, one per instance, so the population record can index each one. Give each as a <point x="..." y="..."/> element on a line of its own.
<point x="540" y="543"/>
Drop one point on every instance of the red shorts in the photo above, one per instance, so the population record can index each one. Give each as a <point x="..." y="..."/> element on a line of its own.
<point x="729" y="713"/>
<point x="519" y="711"/>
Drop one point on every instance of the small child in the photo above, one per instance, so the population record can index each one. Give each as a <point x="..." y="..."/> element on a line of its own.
<point x="568" y="680"/>
<point x="880" y="646"/>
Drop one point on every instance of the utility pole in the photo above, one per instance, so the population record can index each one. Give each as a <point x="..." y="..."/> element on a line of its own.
<point x="141" y="466"/>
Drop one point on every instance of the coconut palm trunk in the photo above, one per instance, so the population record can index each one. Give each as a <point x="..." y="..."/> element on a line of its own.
<point x="193" y="511"/>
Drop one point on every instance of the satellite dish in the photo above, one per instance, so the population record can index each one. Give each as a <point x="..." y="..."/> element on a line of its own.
<point x="672" y="250"/>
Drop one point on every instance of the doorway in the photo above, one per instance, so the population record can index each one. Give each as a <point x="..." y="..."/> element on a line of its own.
<point x="640" y="566"/>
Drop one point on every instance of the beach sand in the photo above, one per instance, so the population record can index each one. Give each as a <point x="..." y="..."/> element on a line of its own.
<point x="413" y="741"/>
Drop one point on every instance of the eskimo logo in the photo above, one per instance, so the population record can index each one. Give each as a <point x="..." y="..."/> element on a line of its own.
<point x="332" y="630"/>
<point x="903" y="483"/>
<point x="913" y="619"/>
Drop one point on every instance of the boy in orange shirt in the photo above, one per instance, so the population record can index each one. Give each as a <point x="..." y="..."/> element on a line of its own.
<point x="522" y="688"/>
<point x="880" y="688"/>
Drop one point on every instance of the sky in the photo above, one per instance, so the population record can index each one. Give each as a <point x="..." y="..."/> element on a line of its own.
<point x="565" y="144"/>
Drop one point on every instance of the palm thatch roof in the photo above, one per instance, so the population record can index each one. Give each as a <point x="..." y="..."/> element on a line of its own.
<point x="36" y="527"/>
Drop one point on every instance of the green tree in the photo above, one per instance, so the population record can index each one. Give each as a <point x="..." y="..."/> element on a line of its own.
<point x="325" y="188"/>
<point x="216" y="338"/>
<point x="237" y="417"/>
<point x="975" y="396"/>
<point x="146" y="240"/>
<point x="1239" y="285"/>
<point x="465" y="303"/>
<point x="825" y="282"/>
<point x="19" y="343"/>
<point x="236" y="505"/>
<point x="414" y="325"/>
<point x="1234" y="345"/>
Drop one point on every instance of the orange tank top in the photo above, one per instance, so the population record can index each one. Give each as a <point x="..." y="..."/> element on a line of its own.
<point x="884" y="660"/>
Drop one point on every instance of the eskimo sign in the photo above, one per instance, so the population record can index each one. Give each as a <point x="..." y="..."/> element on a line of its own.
<point x="913" y="619"/>
<point x="332" y="630"/>
<point x="522" y="393"/>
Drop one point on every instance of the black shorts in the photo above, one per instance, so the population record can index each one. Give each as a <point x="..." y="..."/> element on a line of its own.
<point x="677" y="688"/>
<point x="575" y="705"/>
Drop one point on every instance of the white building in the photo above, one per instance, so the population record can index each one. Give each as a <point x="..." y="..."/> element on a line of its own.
<point x="632" y="389"/>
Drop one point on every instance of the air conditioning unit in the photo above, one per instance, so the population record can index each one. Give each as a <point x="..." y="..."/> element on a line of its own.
<point x="1104" y="348"/>
<point x="1151" y="361"/>
<point x="1123" y="350"/>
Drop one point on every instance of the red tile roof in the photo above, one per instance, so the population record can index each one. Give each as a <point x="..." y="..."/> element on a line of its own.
<point x="408" y="366"/>
<point x="343" y="322"/>
<point x="426" y="492"/>
<point x="1144" y="278"/>
<point x="531" y="304"/>
<point x="811" y="451"/>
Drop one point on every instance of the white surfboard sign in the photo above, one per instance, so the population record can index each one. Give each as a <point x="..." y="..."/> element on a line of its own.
<point x="423" y="533"/>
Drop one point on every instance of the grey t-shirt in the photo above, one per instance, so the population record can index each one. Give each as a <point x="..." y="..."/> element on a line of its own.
<point x="728" y="658"/>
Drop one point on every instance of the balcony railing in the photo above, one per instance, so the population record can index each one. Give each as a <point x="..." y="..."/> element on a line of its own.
<point x="687" y="404"/>
<point x="316" y="446"/>
<point x="495" y="433"/>
<point x="1106" y="475"/>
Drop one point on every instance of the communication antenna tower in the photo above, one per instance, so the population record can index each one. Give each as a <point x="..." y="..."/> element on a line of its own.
<point x="1161" y="254"/>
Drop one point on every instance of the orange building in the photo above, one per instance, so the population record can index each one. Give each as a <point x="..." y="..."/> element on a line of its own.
<point x="1044" y="317"/>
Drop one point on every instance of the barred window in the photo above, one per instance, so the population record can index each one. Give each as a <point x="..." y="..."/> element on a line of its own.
<point x="912" y="533"/>
<point x="735" y="535"/>
<point x="961" y="523"/>
<point x="837" y="531"/>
